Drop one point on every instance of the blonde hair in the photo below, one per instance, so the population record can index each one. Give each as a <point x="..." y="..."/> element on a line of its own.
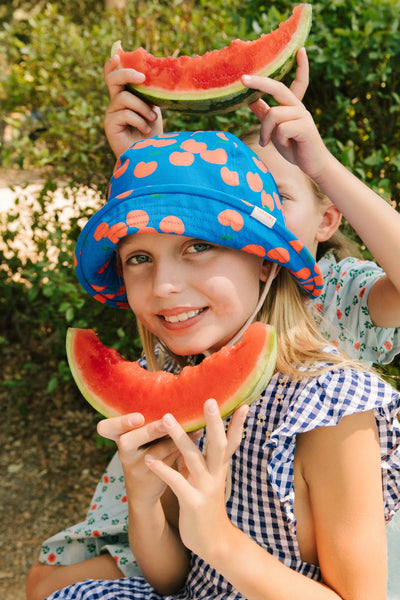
<point x="301" y="346"/>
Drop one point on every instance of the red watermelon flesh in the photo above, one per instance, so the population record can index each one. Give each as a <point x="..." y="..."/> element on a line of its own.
<point x="211" y="82"/>
<point x="114" y="386"/>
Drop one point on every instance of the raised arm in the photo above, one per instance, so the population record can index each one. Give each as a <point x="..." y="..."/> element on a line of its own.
<point x="293" y="131"/>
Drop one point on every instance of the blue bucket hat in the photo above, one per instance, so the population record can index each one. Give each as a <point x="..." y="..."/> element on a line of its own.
<point x="206" y="185"/>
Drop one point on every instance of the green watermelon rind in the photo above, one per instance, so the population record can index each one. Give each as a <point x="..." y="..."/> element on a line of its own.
<point x="231" y="97"/>
<point x="249" y="390"/>
<point x="254" y="385"/>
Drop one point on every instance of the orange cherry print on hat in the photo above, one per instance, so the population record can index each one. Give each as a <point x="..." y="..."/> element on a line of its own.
<point x="254" y="249"/>
<point x="192" y="145"/>
<point x="254" y="181"/>
<point x="229" y="177"/>
<point x="215" y="157"/>
<point x="259" y="163"/>
<point x="101" y="231"/>
<point x="279" y="254"/>
<point x="137" y="218"/>
<point x="231" y="218"/>
<point x="153" y="143"/>
<point x="267" y="200"/>
<point x="120" y="169"/>
<point x="144" y="169"/>
<point x="303" y="273"/>
<point x="117" y="231"/>
<point x="172" y="224"/>
<point x="181" y="159"/>
<point x="124" y="194"/>
<point x="297" y="245"/>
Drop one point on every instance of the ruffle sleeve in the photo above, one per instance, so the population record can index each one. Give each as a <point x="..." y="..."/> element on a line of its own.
<point x="323" y="402"/>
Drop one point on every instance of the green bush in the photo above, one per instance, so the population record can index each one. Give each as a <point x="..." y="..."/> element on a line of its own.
<point x="52" y="92"/>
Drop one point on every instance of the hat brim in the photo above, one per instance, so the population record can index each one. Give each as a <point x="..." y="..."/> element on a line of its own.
<point x="176" y="209"/>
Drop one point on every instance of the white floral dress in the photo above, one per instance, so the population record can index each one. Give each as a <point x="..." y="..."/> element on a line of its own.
<point x="343" y="310"/>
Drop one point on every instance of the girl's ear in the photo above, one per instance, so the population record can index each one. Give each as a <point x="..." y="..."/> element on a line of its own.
<point x="266" y="268"/>
<point x="330" y="222"/>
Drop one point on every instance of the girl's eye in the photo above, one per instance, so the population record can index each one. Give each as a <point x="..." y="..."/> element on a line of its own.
<point x="198" y="247"/>
<point x="137" y="259"/>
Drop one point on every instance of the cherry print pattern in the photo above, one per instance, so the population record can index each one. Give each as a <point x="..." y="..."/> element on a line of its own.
<point x="206" y="185"/>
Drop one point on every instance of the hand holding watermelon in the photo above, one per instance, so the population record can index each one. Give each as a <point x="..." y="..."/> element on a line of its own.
<point x="134" y="438"/>
<point x="210" y="84"/>
<point x="289" y="125"/>
<point x="128" y="119"/>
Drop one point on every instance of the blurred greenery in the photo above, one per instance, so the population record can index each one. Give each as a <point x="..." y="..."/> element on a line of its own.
<point x="53" y="99"/>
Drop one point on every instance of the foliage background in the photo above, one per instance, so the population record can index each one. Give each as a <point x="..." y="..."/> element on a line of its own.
<point x="53" y="97"/>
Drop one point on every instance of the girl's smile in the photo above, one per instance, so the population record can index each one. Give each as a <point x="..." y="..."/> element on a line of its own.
<point x="191" y="294"/>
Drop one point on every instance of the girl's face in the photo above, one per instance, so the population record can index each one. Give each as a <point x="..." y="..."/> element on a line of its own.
<point x="193" y="295"/>
<point x="304" y="213"/>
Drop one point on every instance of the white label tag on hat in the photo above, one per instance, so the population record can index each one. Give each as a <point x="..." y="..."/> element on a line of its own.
<point x="263" y="217"/>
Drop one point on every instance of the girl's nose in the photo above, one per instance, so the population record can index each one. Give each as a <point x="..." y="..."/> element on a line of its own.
<point x="168" y="279"/>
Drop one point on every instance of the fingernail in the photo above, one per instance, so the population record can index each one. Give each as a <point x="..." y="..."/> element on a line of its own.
<point x="135" y="419"/>
<point x="149" y="458"/>
<point x="212" y="406"/>
<point x="168" y="420"/>
<point x="246" y="78"/>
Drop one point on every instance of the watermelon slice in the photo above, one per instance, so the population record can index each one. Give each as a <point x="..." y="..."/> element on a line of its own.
<point x="114" y="386"/>
<point x="211" y="83"/>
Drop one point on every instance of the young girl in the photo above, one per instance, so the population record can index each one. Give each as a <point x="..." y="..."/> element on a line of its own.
<point x="192" y="237"/>
<point x="99" y="546"/>
<point x="360" y="302"/>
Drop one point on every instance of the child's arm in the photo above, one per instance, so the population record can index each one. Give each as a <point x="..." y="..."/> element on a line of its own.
<point x="294" y="133"/>
<point x="154" y="541"/>
<point x="127" y="119"/>
<point x="342" y="473"/>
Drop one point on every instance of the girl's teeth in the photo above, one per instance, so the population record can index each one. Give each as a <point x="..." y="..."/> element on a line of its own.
<point x="182" y="316"/>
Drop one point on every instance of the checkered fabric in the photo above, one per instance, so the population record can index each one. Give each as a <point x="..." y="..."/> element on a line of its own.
<point x="261" y="501"/>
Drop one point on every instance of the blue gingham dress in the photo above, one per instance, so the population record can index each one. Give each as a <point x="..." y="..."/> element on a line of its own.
<point x="262" y="493"/>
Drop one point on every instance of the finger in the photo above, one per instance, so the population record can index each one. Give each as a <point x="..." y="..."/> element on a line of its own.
<point x="192" y="456"/>
<point x="235" y="430"/>
<point x="121" y="122"/>
<point x="278" y="90"/>
<point x="170" y="476"/>
<point x="149" y="436"/>
<point x="260" y="108"/>
<point x="216" y="437"/>
<point x="114" y="427"/>
<point x="117" y="79"/>
<point x="277" y="117"/>
<point x="300" y="83"/>
<point x="127" y="101"/>
<point x="111" y="64"/>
